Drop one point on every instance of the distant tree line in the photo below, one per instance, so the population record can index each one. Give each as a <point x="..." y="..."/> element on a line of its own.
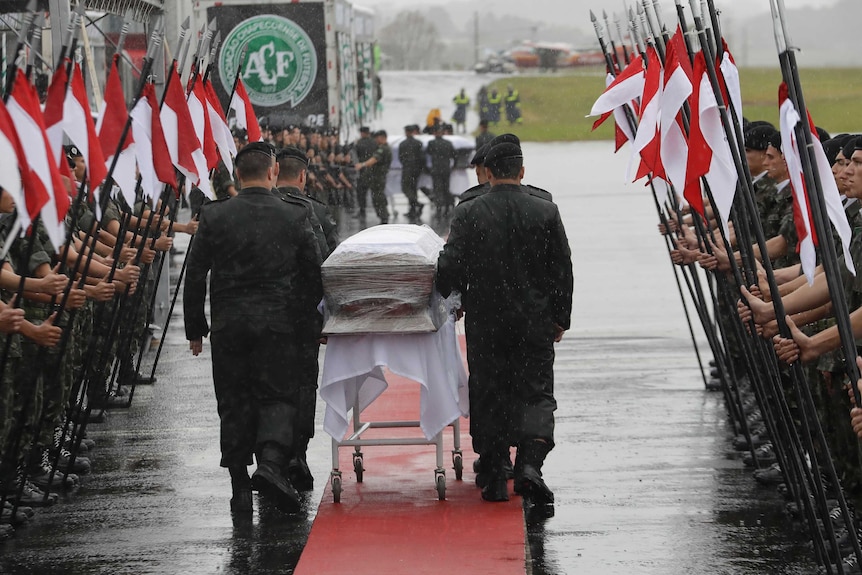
<point x="410" y="42"/>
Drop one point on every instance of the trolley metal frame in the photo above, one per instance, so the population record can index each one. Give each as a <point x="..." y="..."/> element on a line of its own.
<point x="356" y="441"/>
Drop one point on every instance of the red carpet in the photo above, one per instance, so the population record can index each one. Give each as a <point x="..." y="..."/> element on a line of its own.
<point x="393" y="523"/>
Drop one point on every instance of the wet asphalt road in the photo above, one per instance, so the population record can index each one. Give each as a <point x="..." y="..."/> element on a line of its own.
<point x="645" y="479"/>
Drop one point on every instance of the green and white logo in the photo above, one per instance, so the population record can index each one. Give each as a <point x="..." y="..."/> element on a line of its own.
<point x="280" y="64"/>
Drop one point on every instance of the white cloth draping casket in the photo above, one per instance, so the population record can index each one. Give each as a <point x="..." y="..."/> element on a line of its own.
<point x="353" y="375"/>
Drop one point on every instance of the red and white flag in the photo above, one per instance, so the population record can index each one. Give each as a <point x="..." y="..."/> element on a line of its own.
<point x="221" y="132"/>
<point x="834" y="206"/>
<point x="197" y="100"/>
<point x="181" y="137"/>
<point x="622" y="130"/>
<point x="647" y="143"/>
<point x="47" y="190"/>
<point x="709" y="153"/>
<point x="729" y="79"/>
<point x="245" y="117"/>
<point x="79" y="126"/>
<point x="677" y="90"/>
<point x="53" y="112"/>
<point x="788" y="118"/>
<point x="151" y="149"/>
<point x="112" y="122"/>
<point x="627" y="86"/>
<point x="14" y="171"/>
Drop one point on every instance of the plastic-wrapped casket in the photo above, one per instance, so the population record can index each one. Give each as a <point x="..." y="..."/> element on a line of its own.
<point x="381" y="280"/>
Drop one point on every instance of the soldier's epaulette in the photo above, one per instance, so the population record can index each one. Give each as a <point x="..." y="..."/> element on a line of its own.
<point x="472" y="193"/>
<point x="539" y="193"/>
<point x="215" y="201"/>
<point x="313" y="199"/>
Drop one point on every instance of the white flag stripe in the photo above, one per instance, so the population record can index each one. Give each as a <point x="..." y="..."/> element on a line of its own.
<point x="789" y="117"/>
<point x="142" y="118"/>
<point x="722" y="176"/>
<point x="35" y="147"/>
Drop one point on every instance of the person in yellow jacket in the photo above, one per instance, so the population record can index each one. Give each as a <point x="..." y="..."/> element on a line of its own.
<point x="459" y="118"/>
<point x="513" y="106"/>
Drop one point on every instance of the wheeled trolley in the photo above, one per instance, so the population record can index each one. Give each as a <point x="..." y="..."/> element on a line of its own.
<point x="356" y="441"/>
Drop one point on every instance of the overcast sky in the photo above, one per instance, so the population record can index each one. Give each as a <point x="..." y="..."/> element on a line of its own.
<point x="557" y="10"/>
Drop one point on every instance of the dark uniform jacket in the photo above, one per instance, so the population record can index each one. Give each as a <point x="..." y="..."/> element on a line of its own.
<point x="481" y="189"/>
<point x="379" y="170"/>
<point x="263" y="261"/>
<point x="325" y="229"/>
<point x="442" y="152"/>
<point x="365" y="148"/>
<point x="411" y="156"/>
<point x="508" y="255"/>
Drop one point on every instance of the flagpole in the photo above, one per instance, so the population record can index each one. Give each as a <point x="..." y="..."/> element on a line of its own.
<point x="790" y="71"/>
<point x="777" y="423"/>
<point x="618" y="26"/>
<point x="796" y="369"/>
<point x="68" y="38"/>
<point x="669" y="241"/>
<point x="122" y="311"/>
<point x="192" y="238"/>
<point x="85" y="376"/>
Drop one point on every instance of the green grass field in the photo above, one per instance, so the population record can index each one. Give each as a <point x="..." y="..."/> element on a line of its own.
<point x="554" y="107"/>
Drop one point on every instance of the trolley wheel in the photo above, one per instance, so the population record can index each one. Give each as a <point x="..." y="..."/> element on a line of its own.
<point x="358" y="468"/>
<point x="458" y="465"/>
<point x="440" y="480"/>
<point x="336" y="488"/>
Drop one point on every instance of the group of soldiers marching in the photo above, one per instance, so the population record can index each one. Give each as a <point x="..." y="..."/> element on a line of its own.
<point x="780" y="423"/>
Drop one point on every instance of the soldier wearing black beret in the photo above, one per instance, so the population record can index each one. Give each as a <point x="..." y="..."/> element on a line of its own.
<point x="412" y="159"/>
<point x="264" y="266"/>
<point x="509" y="257"/>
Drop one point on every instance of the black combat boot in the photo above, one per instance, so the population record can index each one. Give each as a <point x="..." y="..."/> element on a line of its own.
<point x="298" y="472"/>
<point x="240" y="483"/>
<point x="528" y="472"/>
<point x="270" y="481"/>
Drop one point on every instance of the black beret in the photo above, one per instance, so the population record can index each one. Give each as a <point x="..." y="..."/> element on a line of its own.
<point x="479" y="156"/>
<point x="501" y="152"/>
<point x="857" y="144"/>
<point x="293" y="153"/>
<point x="850" y="146"/>
<point x="822" y="134"/>
<point x="257" y="147"/>
<point x="73" y="152"/>
<point x="504" y="138"/>
<point x="775" y="140"/>
<point x="756" y="123"/>
<point x="364" y="130"/>
<point x="833" y="146"/>
<point x="758" y="137"/>
<point x="380" y="133"/>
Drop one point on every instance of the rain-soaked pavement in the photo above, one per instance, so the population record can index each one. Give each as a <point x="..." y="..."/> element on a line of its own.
<point x="645" y="478"/>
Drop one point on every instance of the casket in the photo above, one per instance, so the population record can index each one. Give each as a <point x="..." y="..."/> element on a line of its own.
<point x="381" y="280"/>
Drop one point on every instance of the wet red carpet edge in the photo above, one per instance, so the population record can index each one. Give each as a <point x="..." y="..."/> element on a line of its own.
<point x="393" y="522"/>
